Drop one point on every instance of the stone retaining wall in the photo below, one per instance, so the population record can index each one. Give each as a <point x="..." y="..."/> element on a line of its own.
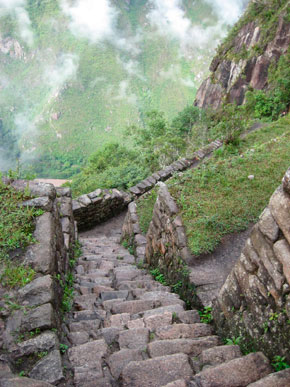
<point x="30" y="317"/>
<point x="254" y="302"/>
<point x="132" y="234"/>
<point x="166" y="247"/>
<point x="98" y="206"/>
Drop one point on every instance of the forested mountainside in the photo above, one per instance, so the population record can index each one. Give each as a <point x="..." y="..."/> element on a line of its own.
<point x="250" y="82"/>
<point x="75" y="74"/>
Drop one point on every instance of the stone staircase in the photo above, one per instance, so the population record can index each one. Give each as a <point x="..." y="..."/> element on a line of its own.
<point x="129" y="330"/>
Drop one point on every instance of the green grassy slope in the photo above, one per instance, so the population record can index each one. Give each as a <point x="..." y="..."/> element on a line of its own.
<point x="218" y="197"/>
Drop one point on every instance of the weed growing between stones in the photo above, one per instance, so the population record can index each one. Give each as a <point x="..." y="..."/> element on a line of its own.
<point x="206" y="315"/>
<point x="279" y="363"/>
<point x="233" y="340"/>
<point x="158" y="276"/>
<point x="129" y="246"/>
<point x="68" y="290"/>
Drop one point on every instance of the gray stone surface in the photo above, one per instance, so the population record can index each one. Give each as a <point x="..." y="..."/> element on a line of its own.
<point x="157" y="372"/>
<point x="238" y="372"/>
<point x="277" y="379"/>
<point x="42" y="317"/>
<point x="118" y="360"/>
<point x="41" y="343"/>
<point x="23" y="382"/>
<point x="41" y="256"/>
<point x="48" y="369"/>
<point x="38" y="292"/>
<point x="221" y="354"/>
<point x="134" y="338"/>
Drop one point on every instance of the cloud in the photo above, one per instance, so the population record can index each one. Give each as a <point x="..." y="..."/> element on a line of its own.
<point x="131" y="67"/>
<point x="125" y="94"/>
<point x="228" y="11"/>
<point x="170" y="19"/>
<point x="97" y="20"/>
<point x="91" y="19"/>
<point x="17" y="9"/>
<point x="174" y="74"/>
<point x="62" y="71"/>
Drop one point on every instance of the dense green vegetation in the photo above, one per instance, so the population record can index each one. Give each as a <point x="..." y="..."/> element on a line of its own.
<point x="53" y="121"/>
<point x="16" y="229"/>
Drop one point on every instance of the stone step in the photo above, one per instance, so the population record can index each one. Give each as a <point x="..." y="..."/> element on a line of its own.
<point x="183" y="331"/>
<point x="220" y="354"/>
<point x="278" y="379"/>
<point x="157" y="372"/>
<point x="238" y="372"/>
<point x="191" y="347"/>
<point x="134" y="307"/>
<point x="129" y="330"/>
<point x="118" y="360"/>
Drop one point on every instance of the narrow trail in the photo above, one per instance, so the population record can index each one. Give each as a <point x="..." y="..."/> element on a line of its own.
<point x="129" y="330"/>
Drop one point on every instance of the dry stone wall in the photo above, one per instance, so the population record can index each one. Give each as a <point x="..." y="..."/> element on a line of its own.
<point x="30" y="319"/>
<point x="177" y="166"/>
<point x="254" y="302"/>
<point x="166" y="247"/>
<point x="132" y="235"/>
<point x="98" y="206"/>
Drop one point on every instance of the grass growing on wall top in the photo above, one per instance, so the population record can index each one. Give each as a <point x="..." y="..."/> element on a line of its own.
<point x="16" y="229"/>
<point x="218" y="198"/>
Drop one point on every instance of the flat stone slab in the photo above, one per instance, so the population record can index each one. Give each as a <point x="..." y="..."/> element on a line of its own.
<point x="177" y="308"/>
<point x="220" y="354"/>
<point x="118" y="361"/>
<point x="41" y="343"/>
<point x="41" y="317"/>
<point x="134" y="338"/>
<point x="38" y="292"/>
<point x="157" y="372"/>
<point x="119" y="320"/>
<point x="133" y="307"/>
<point x="186" y="331"/>
<point x="188" y="346"/>
<point x="277" y="379"/>
<point x="87" y="354"/>
<point x="48" y="369"/>
<point x="238" y="372"/>
<point x="157" y="321"/>
<point x="23" y="382"/>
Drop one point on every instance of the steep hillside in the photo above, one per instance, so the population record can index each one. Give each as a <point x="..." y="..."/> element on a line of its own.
<point x="248" y="58"/>
<point x="75" y="75"/>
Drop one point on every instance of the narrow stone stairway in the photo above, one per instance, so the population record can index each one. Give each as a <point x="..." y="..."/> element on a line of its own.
<point x="129" y="330"/>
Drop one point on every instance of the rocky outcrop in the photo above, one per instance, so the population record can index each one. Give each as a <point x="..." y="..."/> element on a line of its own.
<point x="254" y="302"/>
<point x="30" y="317"/>
<point x="244" y="62"/>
